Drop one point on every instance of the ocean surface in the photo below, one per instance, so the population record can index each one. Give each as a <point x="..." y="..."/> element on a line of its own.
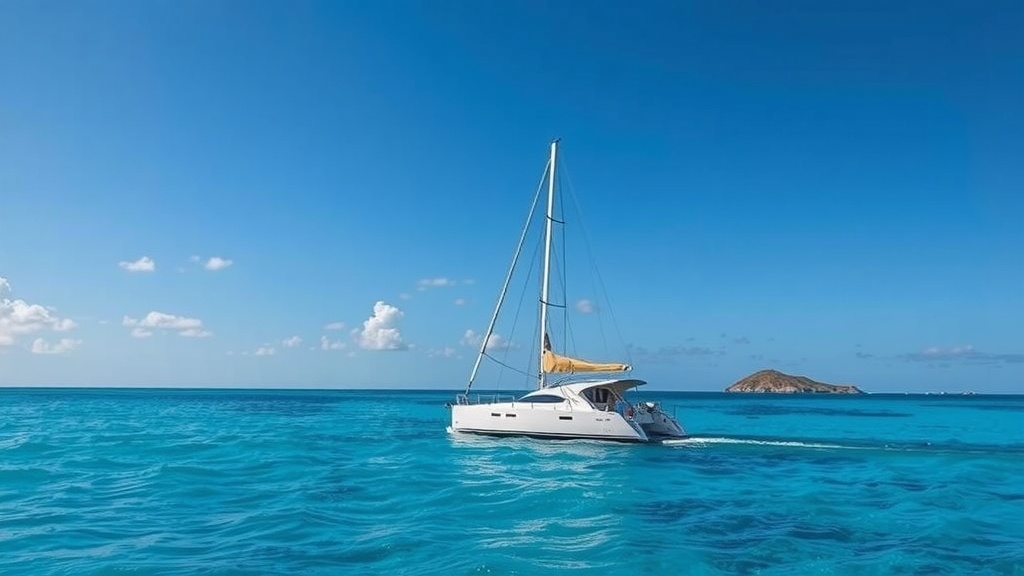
<point x="106" y="481"/>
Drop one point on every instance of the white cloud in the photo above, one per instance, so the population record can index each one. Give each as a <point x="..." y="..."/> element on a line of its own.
<point x="327" y="344"/>
<point x="953" y="351"/>
<point x="40" y="346"/>
<point x="335" y="326"/>
<point x="265" y="351"/>
<point x="64" y="324"/>
<point x="291" y="342"/>
<point x="380" y="331"/>
<point x="18" y="317"/>
<point x="217" y="263"/>
<point x="495" y="342"/>
<point x="939" y="353"/>
<point x="586" y="306"/>
<point x="144" y="264"/>
<point x="184" y="326"/>
<point x="470" y="338"/>
<point x="446" y="352"/>
<point x="163" y="320"/>
<point x="434" y="283"/>
<point x="964" y="353"/>
<point x="498" y="342"/>
<point x="405" y="296"/>
<point x="460" y="301"/>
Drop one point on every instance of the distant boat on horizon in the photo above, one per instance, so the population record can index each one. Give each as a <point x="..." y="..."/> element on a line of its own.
<point x="568" y="408"/>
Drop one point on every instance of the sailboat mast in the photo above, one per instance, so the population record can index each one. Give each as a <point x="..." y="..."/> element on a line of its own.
<point x="547" y="260"/>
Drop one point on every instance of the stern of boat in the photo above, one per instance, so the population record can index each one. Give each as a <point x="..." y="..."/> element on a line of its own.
<point x="656" y="422"/>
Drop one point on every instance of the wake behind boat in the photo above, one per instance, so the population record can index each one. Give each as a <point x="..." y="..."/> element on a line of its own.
<point x="590" y="408"/>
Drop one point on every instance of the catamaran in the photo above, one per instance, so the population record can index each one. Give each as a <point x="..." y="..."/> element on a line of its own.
<point x="571" y="406"/>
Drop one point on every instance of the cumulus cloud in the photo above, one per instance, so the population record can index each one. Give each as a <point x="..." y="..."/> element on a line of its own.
<point x="19" y="318"/>
<point x="265" y="351"/>
<point x="64" y="324"/>
<point x="328" y="344"/>
<point x="498" y="342"/>
<point x="291" y="342"/>
<point x="184" y="326"/>
<point x="40" y="346"/>
<point x="217" y="263"/>
<point x="144" y="264"/>
<point x="428" y="283"/>
<point x="380" y="331"/>
<point x="470" y="338"/>
<point x="495" y="342"/>
<point x="586" y="306"/>
<point x="335" y="326"/>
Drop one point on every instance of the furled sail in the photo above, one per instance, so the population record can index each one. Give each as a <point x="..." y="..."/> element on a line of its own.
<point x="556" y="363"/>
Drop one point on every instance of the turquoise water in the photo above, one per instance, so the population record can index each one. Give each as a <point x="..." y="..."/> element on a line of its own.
<point x="368" y="482"/>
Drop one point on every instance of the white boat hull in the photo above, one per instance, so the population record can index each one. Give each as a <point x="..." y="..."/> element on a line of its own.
<point x="556" y="422"/>
<point x="589" y="409"/>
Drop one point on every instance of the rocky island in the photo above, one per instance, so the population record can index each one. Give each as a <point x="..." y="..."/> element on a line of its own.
<point x="775" y="382"/>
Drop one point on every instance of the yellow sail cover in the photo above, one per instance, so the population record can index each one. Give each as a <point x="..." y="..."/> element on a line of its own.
<point x="555" y="363"/>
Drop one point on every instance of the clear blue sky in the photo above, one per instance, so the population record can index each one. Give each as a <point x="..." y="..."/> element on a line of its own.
<point x="831" y="189"/>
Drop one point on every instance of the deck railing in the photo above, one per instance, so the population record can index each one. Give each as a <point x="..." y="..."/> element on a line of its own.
<point x="467" y="399"/>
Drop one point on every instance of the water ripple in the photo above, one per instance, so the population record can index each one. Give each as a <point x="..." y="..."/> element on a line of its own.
<point x="236" y="482"/>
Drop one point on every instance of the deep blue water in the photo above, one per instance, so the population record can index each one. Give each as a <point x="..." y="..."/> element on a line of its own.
<point x="368" y="482"/>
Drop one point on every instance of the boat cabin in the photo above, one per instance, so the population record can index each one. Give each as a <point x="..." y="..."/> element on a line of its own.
<point x="602" y="398"/>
